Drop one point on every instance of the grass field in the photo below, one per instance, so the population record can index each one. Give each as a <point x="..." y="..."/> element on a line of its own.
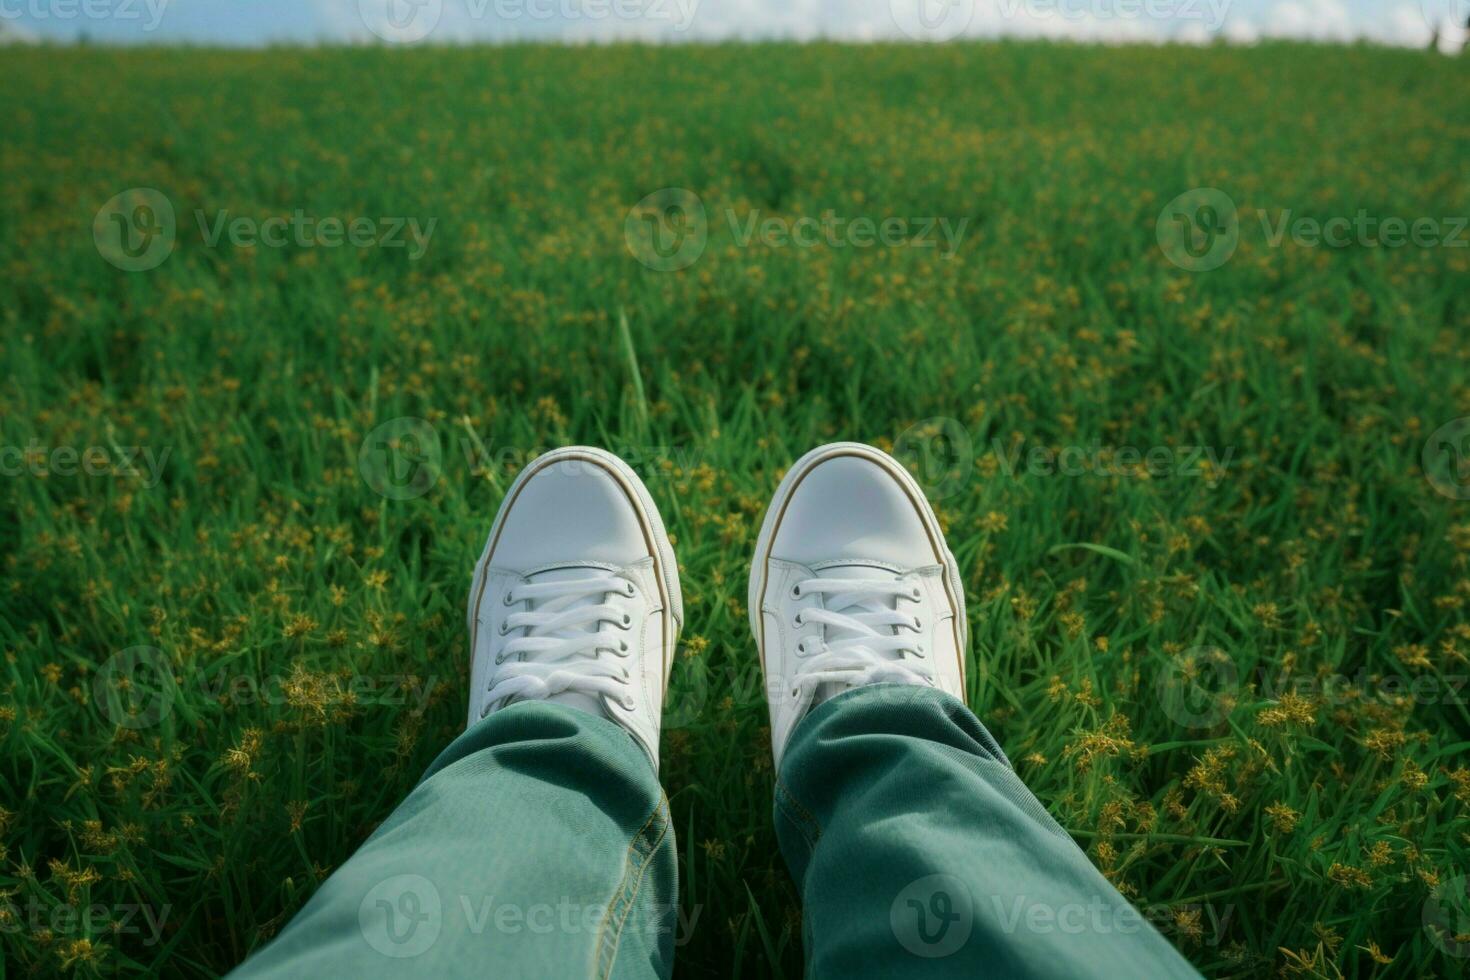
<point x="1233" y="669"/>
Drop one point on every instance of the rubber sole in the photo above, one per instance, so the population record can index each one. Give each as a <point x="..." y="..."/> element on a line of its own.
<point x="777" y="508"/>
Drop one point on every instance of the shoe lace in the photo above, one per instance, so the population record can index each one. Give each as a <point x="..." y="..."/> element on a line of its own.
<point x="571" y="625"/>
<point x="867" y="640"/>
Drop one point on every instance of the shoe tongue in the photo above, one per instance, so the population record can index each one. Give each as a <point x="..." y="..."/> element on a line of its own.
<point x="865" y="572"/>
<point x="857" y="569"/>
<point x="571" y="573"/>
<point x="868" y="573"/>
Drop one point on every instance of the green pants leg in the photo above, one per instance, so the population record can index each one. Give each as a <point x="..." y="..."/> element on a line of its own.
<point x="919" y="853"/>
<point x="537" y="845"/>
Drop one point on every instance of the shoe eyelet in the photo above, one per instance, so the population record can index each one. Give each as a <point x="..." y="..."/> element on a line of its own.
<point x="796" y="591"/>
<point x="622" y="648"/>
<point x="627" y="621"/>
<point x="629" y="590"/>
<point x="795" y="693"/>
<point x="914" y="595"/>
<point x="627" y="703"/>
<point x="499" y="659"/>
<point x="504" y="626"/>
<point x="918" y="624"/>
<point x="509" y="601"/>
<point x="798" y="622"/>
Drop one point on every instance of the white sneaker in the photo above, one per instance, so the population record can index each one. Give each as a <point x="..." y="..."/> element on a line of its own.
<point x="576" y="597"/>
<point x="852" y="584"/>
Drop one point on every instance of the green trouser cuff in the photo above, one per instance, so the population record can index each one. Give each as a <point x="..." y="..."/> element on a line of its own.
<point x="918" y="852"/>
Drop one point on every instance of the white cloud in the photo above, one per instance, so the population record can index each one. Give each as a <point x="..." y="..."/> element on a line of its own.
<point x="1401" y="22"/>
<point x="1316" y="20"/>
<point x="13" y="33"/>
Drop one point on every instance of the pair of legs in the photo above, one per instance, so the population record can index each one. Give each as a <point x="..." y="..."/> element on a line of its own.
<point x="539" y="843"/>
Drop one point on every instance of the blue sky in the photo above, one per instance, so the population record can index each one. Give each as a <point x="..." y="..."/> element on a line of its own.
<point x="254" y="22"/>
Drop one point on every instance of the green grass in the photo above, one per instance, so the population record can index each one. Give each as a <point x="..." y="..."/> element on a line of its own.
<point x="1315" y="825"/>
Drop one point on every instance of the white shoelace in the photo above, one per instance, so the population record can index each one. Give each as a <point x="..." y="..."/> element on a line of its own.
<point x="565" y="636"/>
<point x="860" y="645"/>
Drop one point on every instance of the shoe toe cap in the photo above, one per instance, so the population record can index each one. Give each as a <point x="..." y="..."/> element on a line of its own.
<point x="573" y="510"/>
<point x="850" y="507"/>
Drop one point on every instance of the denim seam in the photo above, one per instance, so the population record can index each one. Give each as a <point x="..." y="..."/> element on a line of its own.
<point x="627" y="891"/>
<point x="801" y="818"/>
